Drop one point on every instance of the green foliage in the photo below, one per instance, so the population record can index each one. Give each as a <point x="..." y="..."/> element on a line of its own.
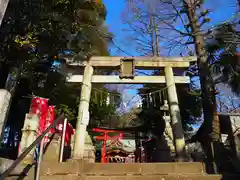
<point x="64" y="109"/>
<point x="103" y="114"/>
<point x="190" y="105"/>
<point x="223" y="55"/>
<point x="222" y="37"/>
<point x="33" y="32"/>
<point x="189" y="97"/>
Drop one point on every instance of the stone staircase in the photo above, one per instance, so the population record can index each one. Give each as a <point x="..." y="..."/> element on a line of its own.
<point x="75" y="170"/>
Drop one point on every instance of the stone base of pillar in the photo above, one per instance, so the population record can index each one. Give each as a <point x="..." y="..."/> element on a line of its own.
<point x="89" y="151"/>
<point x="89" y="154"/>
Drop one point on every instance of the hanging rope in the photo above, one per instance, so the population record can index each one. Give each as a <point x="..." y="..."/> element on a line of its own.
<point x="141" y="94"/>
<point x="150" y="98"/>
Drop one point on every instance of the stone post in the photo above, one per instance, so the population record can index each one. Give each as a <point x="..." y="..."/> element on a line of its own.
<point x="83" y="113"/>
<point x="29" y="135"/>
<point x="175" y="114"/>
<point x="3" y="7"/>
<point x="168" y="134"/>
<point x="5" y="97"/>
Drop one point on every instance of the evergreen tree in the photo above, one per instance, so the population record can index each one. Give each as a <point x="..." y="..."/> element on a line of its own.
<point x="35" y="35"/>
<point x="224" y="57"/>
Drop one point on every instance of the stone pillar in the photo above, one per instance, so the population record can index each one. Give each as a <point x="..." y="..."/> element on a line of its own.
<point x="175" y="114"/>
<point x="83" y="113"/>
<point x="29" y="135"/>
<point x="5" y="97"/>
<point x="168" y="134"/>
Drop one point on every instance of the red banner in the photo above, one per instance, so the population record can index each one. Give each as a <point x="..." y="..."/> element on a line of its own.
<point x="35" y="105"/>
<point x="43" y="115"/>
<point x="51" y="116"/>
<point x="40" y="106"/>
<point x="69" y="132"/>
<point x="47" y="114"/>
<point x="49" y="121"/>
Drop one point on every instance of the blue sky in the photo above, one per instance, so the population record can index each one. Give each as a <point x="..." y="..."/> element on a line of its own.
<point x="221" y="11"/>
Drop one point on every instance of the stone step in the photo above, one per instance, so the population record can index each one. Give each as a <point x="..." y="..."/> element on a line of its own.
<point x="77" y="170"/>
<point x="113" y="169"/>
<point x="132" y="177"/>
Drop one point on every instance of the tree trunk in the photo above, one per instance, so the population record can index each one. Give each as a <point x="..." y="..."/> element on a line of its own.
<point x="154" y="31"/>
<point x="207" y="84"/>
<point x="211" y="127"/>
<point x="153" y="44"/>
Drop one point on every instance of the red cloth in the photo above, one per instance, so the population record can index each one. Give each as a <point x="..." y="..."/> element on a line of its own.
<point x="51" y="116"/>
<point x="49" y="121"/>
<point x="47" y="115"/>
<point x="43" y="114"/>
<point x="40" y="106"/>
<point x="35" y="105"/>
<point x="69" y="131"/>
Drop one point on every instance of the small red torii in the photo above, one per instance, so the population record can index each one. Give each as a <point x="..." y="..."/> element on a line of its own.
<point x="104" y="138"/>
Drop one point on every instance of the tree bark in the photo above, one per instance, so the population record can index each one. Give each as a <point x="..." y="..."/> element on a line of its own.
<point x="154" y="32"/>
<point x="207" y="83"/>
<point x="210" y="127"/>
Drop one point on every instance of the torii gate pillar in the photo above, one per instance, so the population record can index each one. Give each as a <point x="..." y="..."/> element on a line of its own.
<point x="175" y="114"/>
<point x="83" y="113"/>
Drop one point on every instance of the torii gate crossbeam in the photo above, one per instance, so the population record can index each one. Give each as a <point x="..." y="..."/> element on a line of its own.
<point x="141" y="63"/>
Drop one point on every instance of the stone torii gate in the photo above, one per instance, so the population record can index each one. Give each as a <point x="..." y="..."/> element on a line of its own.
<point x="127" y="66"/>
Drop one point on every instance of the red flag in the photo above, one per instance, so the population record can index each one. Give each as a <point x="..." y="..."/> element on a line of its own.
<point x="69" y="132"/>
<point x="49" y="121"/>
<point x="51" y="116"/>
<point x="35" y="105"/>
<point x="39" y="106"/>
<point x="43" y="114"/>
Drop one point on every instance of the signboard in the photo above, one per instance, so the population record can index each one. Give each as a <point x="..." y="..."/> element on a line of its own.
<point x="127" y="68"/>
<point x="85" y="117"/>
